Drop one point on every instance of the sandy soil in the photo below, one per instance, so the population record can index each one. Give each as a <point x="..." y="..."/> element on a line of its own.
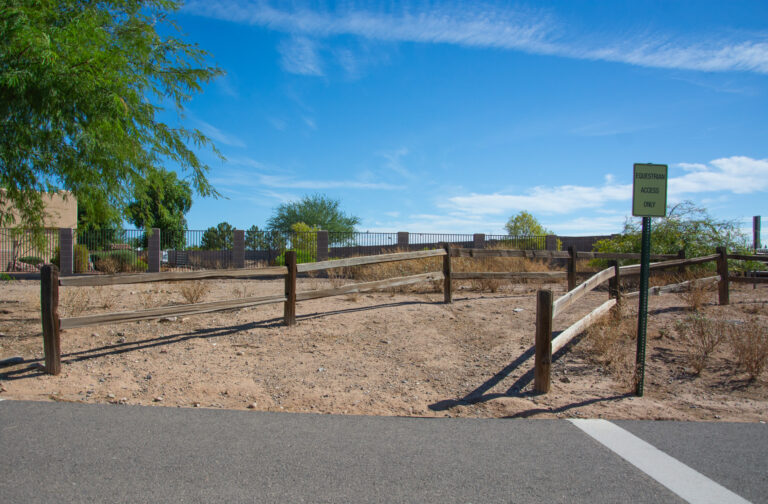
<point x="372" y="354"/>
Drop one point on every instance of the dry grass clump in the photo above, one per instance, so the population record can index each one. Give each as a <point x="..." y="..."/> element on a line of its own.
<point x="610" y="343"/>
<point x="695" y="294"/>
<point x="749" y="345"/>
<point x="703" y="335"/>
<point x="381" y="271"/>
<point x="193" y="291"/>
<point x="74" y="301"/>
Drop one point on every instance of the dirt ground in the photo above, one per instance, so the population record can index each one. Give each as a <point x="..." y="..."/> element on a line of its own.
<point x="404" y="354"/>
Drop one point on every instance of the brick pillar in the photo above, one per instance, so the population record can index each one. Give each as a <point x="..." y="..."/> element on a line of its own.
<point x="478" y="240"/>
<point x="402" y="240"/>
<point x="322" y="246"/>
<point x="551" y="242"/>
<point x="238" y="248"/>
<point x="66" y="251"/>
<point x="154" y="254"/>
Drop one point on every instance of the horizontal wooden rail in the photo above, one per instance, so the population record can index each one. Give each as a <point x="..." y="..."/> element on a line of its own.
<point x="579" y="327"/>
<point x="508" y="275"/>
<point x="570" y="297"/>
<point x="530" y="254"/>
<point x="746" y="257"/>
<point x="369" y="286"/>
<point x="635" y="268"/>
<point x="167" y="311"/>
<point x="678" y="287"/>
<point x="618" y="255"/>
<point x="358" y="261"/>
<point x="743" y="279"/>
<point x="169" y="276"/>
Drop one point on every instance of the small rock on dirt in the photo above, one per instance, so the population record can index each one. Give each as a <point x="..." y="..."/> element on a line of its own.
<point x="252" y="405"/>
<point x="158" y="399"/>
<point x="168" y="319"/>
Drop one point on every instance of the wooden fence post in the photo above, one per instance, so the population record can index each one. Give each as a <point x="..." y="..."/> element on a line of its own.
<point x="543" y="359"/>
<point x="289" y="313"/>
<point x="681" y="270"/>
<point x="447" y="286"/>
<point x="49" y="311"/>
<point x="571" y="268"/>
<point x="722" y="270"/>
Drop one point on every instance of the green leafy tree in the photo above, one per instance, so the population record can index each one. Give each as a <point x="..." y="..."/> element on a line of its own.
<point x="525" y="224"/>
<point x="316" y="211"/>
<point x="161" y="201"/>
<point x="686" y="227"/>
<point x="218" y="238"/>
<point x="256" y="239"/>
<point x="81" y="85"/>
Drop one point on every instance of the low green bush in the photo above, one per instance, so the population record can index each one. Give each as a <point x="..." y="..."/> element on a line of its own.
<point x="302" y="256"/>
<point x="33" y="260"/>
<point x="80" y="259"/>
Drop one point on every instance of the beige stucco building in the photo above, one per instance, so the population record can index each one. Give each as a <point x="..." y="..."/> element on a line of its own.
<point x="60" y="210"/>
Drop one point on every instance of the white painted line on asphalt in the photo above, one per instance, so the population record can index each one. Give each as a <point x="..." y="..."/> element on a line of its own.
<point x="689" y="484"/>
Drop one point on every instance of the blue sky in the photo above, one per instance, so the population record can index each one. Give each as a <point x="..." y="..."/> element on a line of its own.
<point x="451" y="117"/>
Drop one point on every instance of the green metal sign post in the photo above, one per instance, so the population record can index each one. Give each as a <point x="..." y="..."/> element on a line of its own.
<point x="649" y="199"/>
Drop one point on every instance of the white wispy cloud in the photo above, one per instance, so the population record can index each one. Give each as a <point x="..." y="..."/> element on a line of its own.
<point x="394" y="161"/>
<point x="217" y="135"/>
<point x="731" y="175"/>
<point x="299" y="55"/>
<point x="250" y="178"/>
<point x="737" y="174"/>
<point x="528" y="31"/>
<point x="551" y="200"/>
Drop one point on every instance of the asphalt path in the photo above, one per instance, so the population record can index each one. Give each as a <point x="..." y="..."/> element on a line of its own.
<point x="65" y="452"/>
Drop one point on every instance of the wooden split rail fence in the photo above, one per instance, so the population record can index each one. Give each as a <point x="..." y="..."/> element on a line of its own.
<point x="53" y="324"/>
<point x="547" y="308"/>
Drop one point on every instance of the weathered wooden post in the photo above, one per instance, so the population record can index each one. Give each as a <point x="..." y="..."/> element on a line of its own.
<point x="571" y="268"/>
<point x="49" y="311"/>
<point x="543" y="358"/>
<point x="447" y="286"/>
<point x="613" y="283"/>
<point x="722" y="270"/>
<point x="681" y="269"/>
<point x="289" y="313"/>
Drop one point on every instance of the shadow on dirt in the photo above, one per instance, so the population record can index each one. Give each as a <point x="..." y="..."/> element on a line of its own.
<point x="517" y="389"/>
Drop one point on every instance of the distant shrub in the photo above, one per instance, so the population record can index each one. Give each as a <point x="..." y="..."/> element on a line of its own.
<point x="118" y="261"/>
<point x="80" y="259"/>
<point x="79" y="262"/>
<point x="302" y="256"/>
<point x="33" y="260"/>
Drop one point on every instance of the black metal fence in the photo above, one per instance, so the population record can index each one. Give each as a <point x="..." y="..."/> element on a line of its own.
<point x="125" y="250"/>
<point x="21" y="251"/>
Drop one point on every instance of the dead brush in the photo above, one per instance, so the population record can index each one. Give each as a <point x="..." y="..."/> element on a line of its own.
<point x="75" y="301"/>
<point x="193" y="291"/>
<point x="610" y="342"/>
<point x="381" y="271"/>
<point x="107" y="300"/>
<point x="695" y="294"/>
<point x="703" y="335"/>
<point x="749" y="345"/>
